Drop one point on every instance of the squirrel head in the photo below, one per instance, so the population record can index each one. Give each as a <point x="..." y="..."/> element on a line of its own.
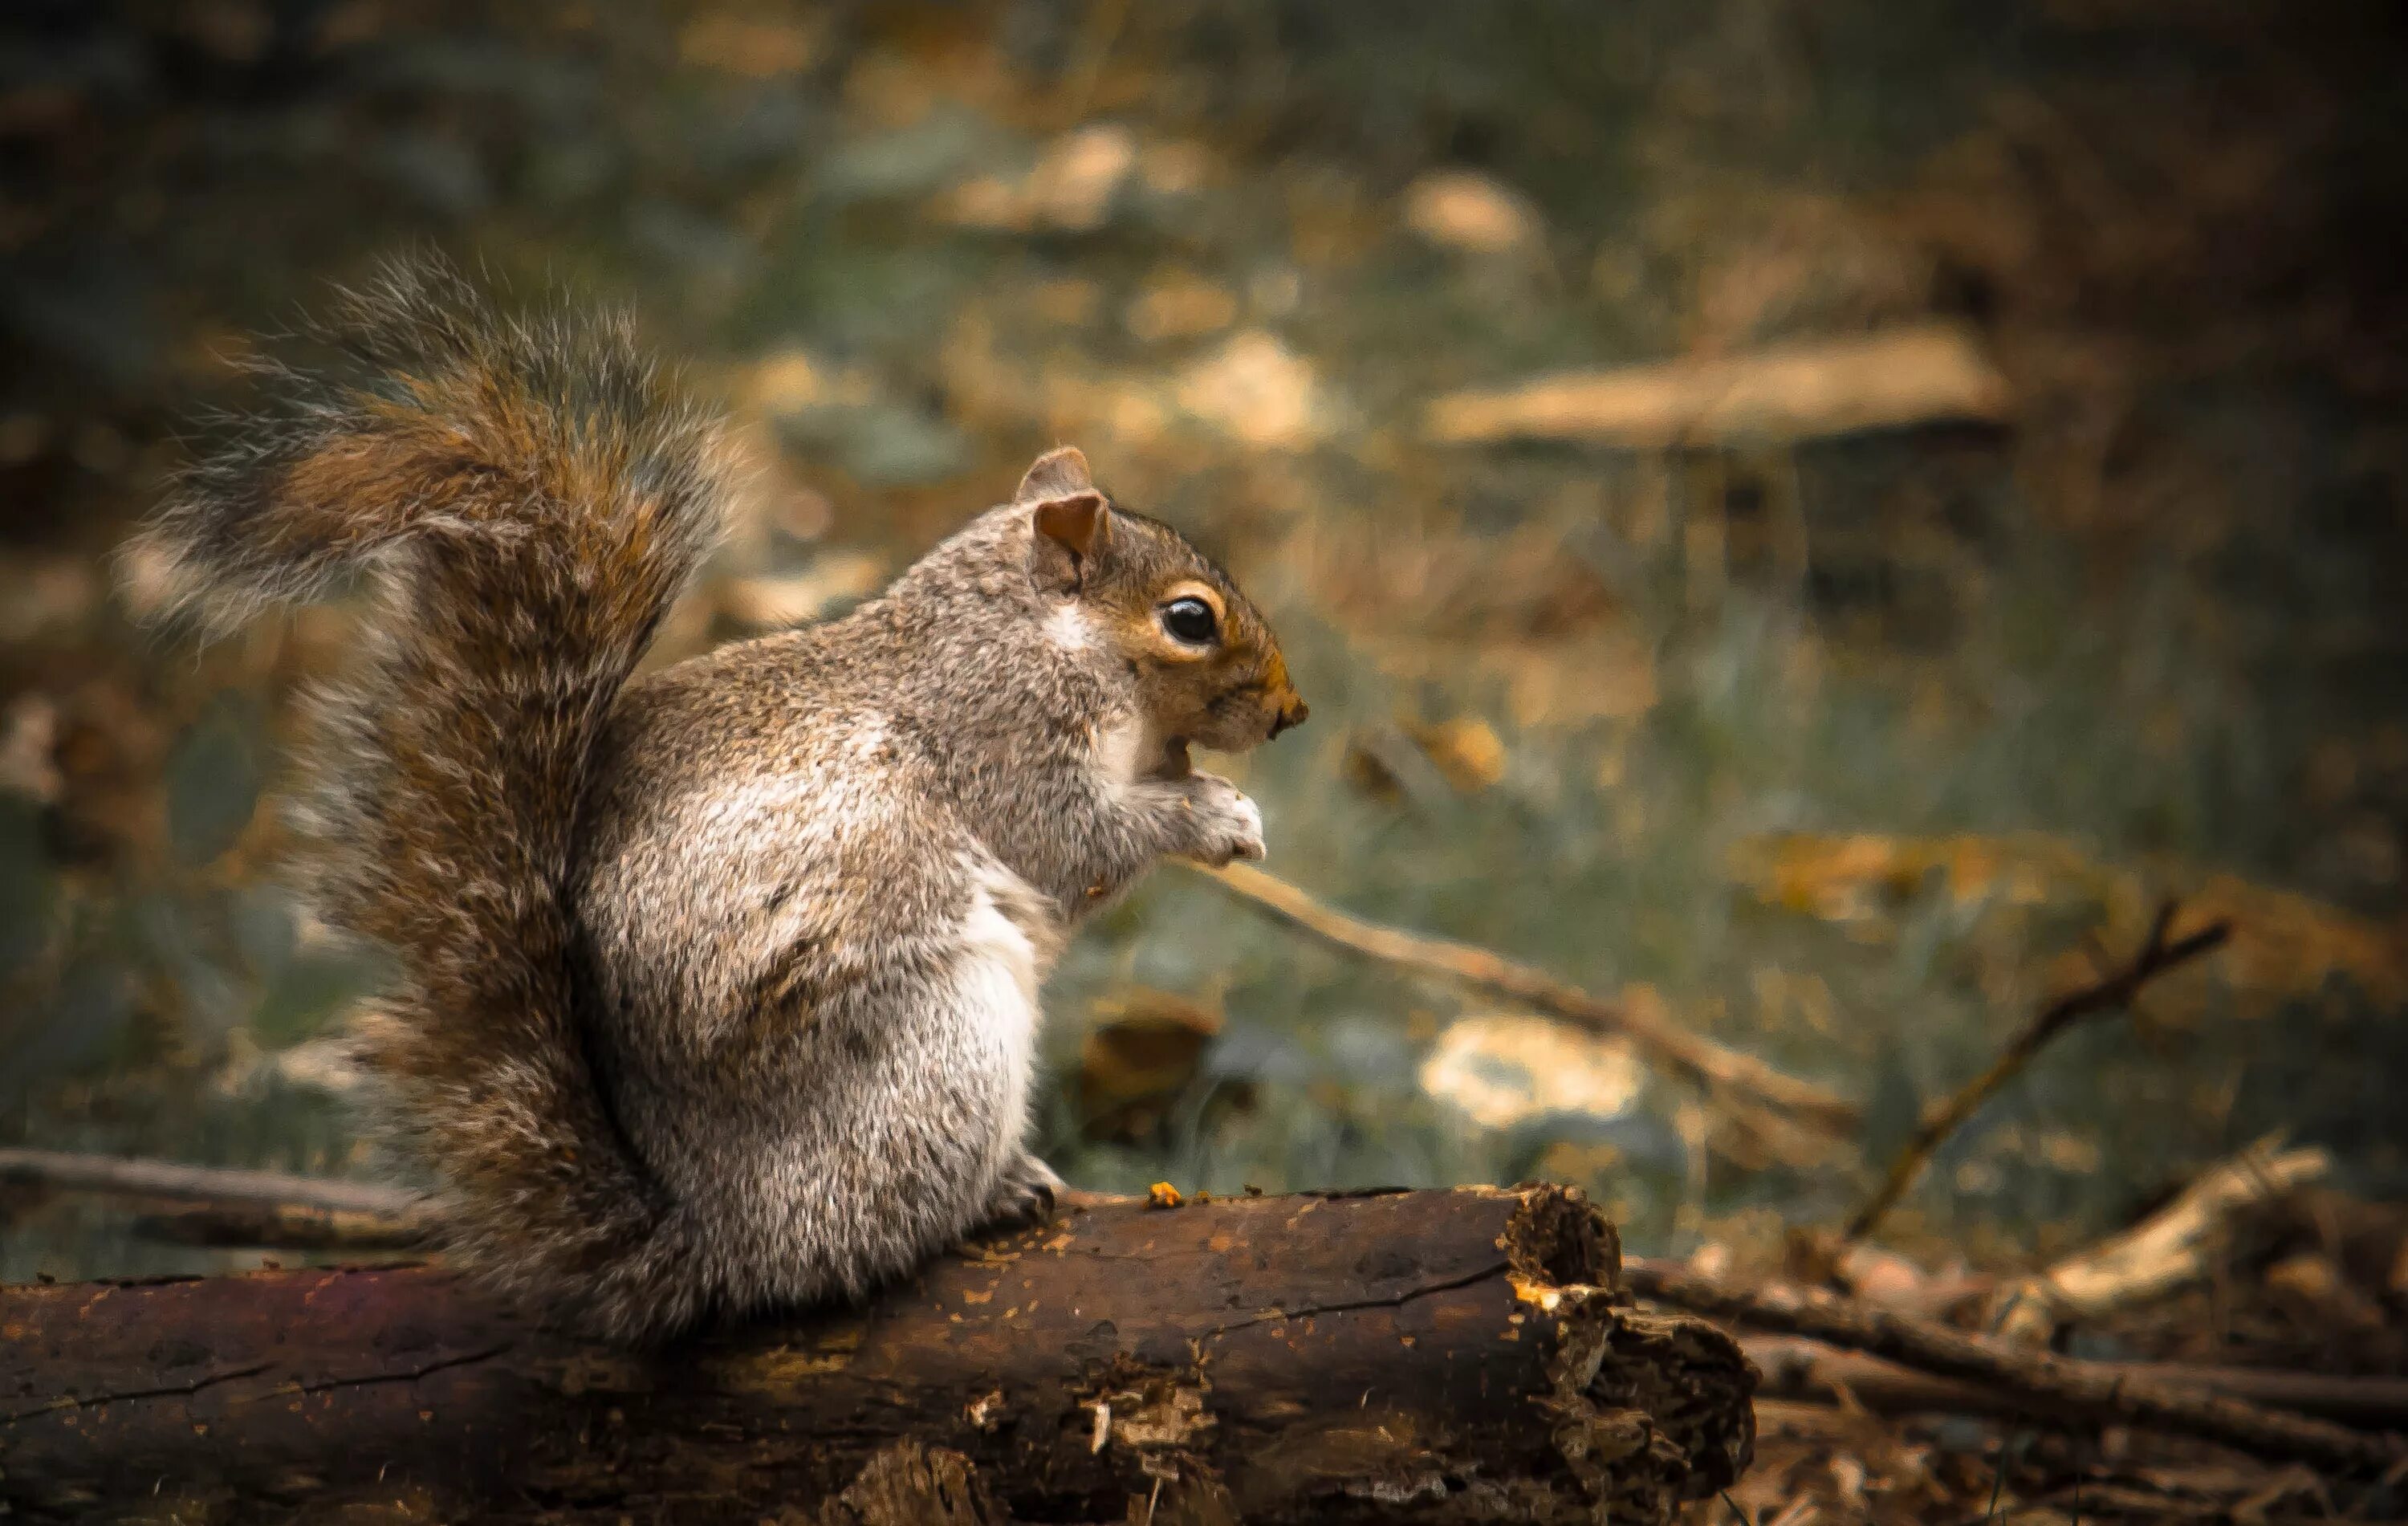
<point x="1207" y="668"/>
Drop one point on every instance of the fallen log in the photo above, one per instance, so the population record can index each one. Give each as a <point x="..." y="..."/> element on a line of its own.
<point x="1451" y="1356"/>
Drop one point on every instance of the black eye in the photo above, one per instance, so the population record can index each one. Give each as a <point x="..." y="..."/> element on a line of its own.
<point x="1189" y="620"/>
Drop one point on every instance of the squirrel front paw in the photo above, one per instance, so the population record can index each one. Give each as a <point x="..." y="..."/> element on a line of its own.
<point x="1225" y="823"/>
<point x="1023" y="1195"/>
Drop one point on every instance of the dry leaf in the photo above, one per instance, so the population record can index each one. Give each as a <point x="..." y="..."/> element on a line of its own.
<point x="1470" y="212"/>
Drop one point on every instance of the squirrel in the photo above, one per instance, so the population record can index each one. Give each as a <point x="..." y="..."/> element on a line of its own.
<point x="717" y="987"/>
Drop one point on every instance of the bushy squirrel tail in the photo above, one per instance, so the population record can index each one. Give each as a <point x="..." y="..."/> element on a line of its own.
<point x="529" y="494"/>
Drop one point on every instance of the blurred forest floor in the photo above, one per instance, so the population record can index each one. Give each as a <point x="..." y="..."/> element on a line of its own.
<point x="1844" y="734"/>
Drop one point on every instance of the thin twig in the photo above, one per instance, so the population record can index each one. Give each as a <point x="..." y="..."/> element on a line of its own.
<point x="1805" y="1370"/>
<point x="177" y="1182"/>
<point x="2111" y="994"/>
<point x="1735" y="1077"/>
<point x="286" y="1227"/>
<point x="2010" y="1451"/>
<point x="2033" y="1382"/>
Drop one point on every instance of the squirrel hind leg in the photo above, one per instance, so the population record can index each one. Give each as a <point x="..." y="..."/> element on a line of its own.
<point x="1024" y="1195"/>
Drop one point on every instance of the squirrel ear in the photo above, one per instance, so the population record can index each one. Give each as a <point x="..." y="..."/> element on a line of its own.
<point x="1057" y="474"/>
<point x="1069" y="531"/>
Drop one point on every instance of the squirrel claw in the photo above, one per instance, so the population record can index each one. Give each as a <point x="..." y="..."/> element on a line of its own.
<point x="1228" y="825"/>
<point x="1024" y="1196"/>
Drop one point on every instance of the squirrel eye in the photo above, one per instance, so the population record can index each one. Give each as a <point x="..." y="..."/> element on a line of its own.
<point x="1189" y="620"/>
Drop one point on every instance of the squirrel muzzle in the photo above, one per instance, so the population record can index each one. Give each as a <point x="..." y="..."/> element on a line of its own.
<point x="1292" y="712"/>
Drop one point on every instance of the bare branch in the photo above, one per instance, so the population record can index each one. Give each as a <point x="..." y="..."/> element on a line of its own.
<point x="1740" y="1081"/>
<point x="175" y="1182"/>
<point x="2032" y="1382"/>
<point x="2111" y="994"/>
<point x="1808" y="1369"/>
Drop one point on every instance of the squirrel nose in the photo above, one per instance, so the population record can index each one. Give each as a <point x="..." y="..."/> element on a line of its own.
<point x="1290" y="715"/>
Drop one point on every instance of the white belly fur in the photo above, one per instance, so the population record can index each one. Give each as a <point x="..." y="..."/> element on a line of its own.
<point x="996" y="978"/>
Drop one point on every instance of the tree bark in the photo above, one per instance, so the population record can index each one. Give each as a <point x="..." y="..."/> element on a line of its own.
<point x="1451" y="1357"/>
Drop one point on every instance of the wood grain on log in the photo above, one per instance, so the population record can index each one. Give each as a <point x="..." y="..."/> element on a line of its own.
<point x="1399" y="1357"/>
